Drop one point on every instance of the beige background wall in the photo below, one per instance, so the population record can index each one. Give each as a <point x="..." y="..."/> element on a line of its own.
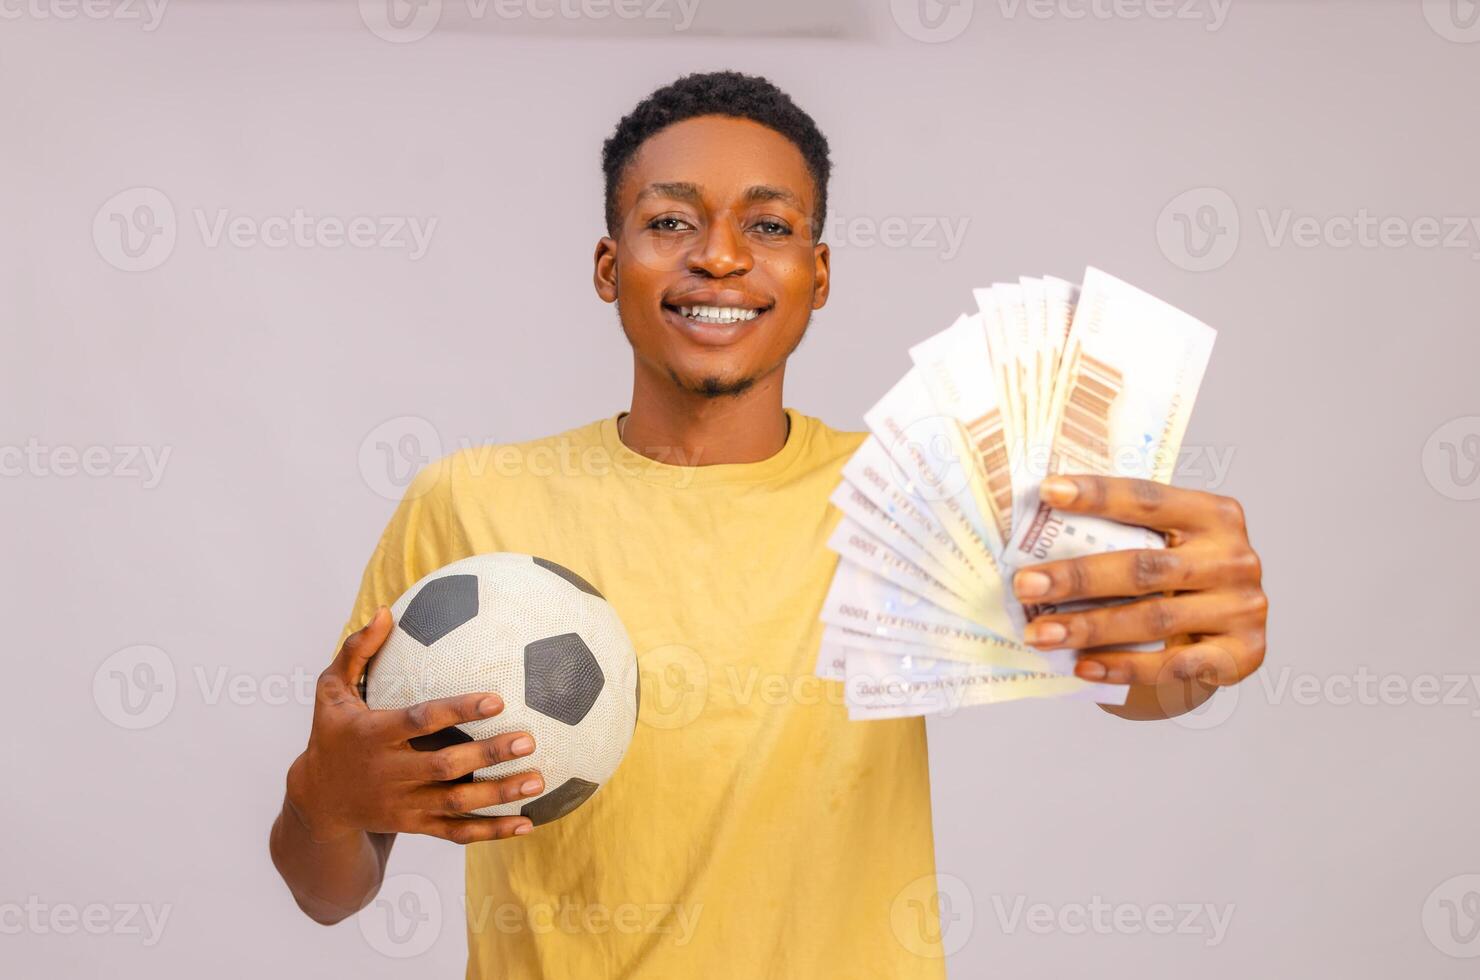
<point x="1325" y="810"/>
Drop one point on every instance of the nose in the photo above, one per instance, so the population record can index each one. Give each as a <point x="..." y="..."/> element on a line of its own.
<point x="721" y="251"/>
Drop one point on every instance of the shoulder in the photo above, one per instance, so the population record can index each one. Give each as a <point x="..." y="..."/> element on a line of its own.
<point x="824" y="451"/>
<point x="829" y="445"/>
<point x="484" y="468"/>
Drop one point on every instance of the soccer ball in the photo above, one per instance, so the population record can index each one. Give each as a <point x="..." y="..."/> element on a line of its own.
<point x="543" y="639"/>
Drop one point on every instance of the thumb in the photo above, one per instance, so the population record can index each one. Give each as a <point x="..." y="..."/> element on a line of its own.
<point x="360" y="646"/>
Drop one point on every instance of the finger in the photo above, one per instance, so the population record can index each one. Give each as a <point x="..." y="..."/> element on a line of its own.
<point x="460" y="761"/>
<point x="429" y="717"/>
<point x="1141" y="502"/>
<point x="1211" y="662"/>
<point x="471" y="830"/>
<point x="355" y="652"/>
<point x="455" y="799"/>
<point x="1148" y="619"/>
<point x="1147" y="571"/>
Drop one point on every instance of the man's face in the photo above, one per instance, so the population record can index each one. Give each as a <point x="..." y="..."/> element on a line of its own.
<point x="714" y="270"/>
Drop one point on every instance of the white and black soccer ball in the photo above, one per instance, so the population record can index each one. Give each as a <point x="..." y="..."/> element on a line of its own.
<point x="543" y="639"/>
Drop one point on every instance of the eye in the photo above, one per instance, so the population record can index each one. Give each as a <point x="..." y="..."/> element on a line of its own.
<point x="772" y="227"/>
<point x="669" y="222"/>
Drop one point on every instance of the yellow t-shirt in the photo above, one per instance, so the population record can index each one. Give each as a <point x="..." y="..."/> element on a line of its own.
<point x="751" y="830"/>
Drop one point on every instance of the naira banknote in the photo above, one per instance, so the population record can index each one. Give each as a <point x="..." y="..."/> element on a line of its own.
<point x="881" y="685"/>
<point x="928" y="450"/>
<point x="853" y="543"/>
<point x="941" y="502"/>
<point x="864" y="602"/>
<point x="957" y="367"/>
<point x="1130" y="373"/>
<point x="875" y="475"/>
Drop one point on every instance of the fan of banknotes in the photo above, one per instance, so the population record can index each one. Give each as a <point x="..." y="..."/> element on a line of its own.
<point x="940" y="503"/>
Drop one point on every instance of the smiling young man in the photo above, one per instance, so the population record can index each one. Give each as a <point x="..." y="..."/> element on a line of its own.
<point x="748" y="832"/>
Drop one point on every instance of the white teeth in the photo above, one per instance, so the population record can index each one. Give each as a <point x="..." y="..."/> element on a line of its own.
<point x="717" y="314"/>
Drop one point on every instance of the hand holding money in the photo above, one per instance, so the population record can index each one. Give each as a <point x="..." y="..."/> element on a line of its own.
<point x="1091" y="386"/>
<point x="1201" y="594"/>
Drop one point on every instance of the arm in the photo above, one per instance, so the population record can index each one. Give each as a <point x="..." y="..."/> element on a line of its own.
<point x="1202" y="594"/>
<point x="360" y="782"/>
<point x="330" y="879"/>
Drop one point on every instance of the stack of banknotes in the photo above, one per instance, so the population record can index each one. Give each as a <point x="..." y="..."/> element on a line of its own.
<point x="940" y="503"/>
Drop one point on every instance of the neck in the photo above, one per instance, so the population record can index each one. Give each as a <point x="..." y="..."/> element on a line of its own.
<point x="677" y="426"/>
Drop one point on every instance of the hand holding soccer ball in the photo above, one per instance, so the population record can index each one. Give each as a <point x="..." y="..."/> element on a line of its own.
<point x="362" y="772"/>
<point x="494" y="659"/>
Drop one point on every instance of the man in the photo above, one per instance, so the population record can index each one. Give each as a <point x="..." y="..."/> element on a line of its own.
<point x="745" y="834"/>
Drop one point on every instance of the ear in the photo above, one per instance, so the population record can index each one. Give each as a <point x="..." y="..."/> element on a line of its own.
<point x="604" y="277"/>
<point x="821" y="274"/>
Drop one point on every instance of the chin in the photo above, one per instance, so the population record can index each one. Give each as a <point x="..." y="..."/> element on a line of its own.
<point x="713" y="385"/>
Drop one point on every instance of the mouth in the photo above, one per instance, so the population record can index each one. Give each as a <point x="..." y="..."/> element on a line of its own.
<point x="714" y="325"/>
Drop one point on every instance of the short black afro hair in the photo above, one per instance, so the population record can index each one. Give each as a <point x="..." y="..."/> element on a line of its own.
<point x="716" y="93"/>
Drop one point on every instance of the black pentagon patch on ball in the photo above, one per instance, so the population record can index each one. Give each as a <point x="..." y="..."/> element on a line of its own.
<point x="440" y="740"/>
<point x="559" y="801"/>
<point x="561" y="677"/>
<point x="442" y="605"/>
<point x="569" y="576"/>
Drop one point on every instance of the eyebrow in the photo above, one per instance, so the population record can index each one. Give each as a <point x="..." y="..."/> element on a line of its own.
<point x="761" y="193"/>
<point x="677" y="190"/>
<point x="687" y="192"/>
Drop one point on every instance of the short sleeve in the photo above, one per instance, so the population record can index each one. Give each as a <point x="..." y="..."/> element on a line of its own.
<point x="419" y="539"/>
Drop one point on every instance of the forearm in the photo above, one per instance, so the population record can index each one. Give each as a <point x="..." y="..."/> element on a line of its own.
<point x="333" y="878"/>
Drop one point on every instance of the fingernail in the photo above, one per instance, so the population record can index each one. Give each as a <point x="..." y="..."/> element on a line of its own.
<point x="490" y="706"/>
<point x="1040" y="634"/>
<point x="1058" y="490"/>
<point x="523" y="745"/>
<point x="1090" y="670"/>
<point x="1029" y="584"/>
<point x="530" y="787"/>
<point x="524" y="828"/>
